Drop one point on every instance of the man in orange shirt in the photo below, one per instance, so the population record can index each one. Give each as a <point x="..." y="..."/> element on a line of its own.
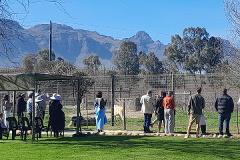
<point x="169" y="109"/>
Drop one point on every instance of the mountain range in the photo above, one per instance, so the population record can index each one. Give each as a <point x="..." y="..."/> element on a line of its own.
<point x="75" y="44"/>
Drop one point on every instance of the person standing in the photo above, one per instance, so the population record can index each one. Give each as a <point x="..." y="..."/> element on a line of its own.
<point x="43" y="103"/>
<point x="147" y="109"/>
<point x="100" y="105"/>
<point x="159" y="111"/>
<point x="195" y="106"/>
<point x="224" y="106"/>
<point x="56" y="115"/>
<point x="169" y="113"/>
<point x="7" y="108"/>
<point x="21" y="106"/>
<point x="2" y="125"/>
<point x="30" y="107"/>
<point x="38" y="107"/>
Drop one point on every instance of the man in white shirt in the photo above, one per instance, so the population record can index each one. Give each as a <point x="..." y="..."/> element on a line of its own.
<point x="147" y="108"/>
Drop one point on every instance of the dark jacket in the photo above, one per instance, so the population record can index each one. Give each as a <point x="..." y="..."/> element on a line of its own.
<point x="196" y="104"/>
<point x="224" y="104"/>
<point x="56" y="116"/>
<point x="21" y="105"/>
<point x="159" y="109"/>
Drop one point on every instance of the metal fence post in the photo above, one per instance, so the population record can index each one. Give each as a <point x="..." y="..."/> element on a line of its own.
<point x="172" y="80"/>
<point x="78" y="129"/>
<point x="14" y="103"/>
<point x="33" y="114"/>
<point x="113" y="97"/>
<point x="124" y="114"/>
<point x="237" y="121"/>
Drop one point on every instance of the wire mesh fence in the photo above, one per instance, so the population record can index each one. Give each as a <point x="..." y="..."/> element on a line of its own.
<point x="125" y="92"/>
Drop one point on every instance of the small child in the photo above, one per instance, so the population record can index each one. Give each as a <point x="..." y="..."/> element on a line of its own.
<point x="2" y="125"/>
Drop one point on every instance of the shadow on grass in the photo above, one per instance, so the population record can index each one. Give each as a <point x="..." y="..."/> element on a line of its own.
<point x="222" y="148"/>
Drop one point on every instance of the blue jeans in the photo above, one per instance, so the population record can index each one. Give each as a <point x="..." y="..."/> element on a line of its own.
<point x="224" y="117"/>
<point x="147" y="122"/>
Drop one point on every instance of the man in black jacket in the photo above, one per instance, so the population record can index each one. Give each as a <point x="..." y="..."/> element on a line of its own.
<point x="224" y="106"/>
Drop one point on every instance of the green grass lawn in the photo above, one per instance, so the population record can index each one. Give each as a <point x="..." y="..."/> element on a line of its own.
<point x="120" y="147"/>
<point x="136" y="124"/>
<point x="181" y="123"/>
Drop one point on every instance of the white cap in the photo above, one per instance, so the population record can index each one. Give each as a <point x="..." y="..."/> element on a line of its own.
<point x="56" y="96"/>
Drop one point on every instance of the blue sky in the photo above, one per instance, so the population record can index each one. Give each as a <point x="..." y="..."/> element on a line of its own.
<point x="123" y="18"/>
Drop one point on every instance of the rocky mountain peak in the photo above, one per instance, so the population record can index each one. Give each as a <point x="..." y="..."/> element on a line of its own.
<point x="141" y="37"/>
<point x="75" y="44"/>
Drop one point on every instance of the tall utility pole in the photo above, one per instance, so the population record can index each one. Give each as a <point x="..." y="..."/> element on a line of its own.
<point x="50" y="41"/>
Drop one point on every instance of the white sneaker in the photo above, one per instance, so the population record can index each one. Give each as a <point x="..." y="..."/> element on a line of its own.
<point x="220" y="136"/>
<point x="187" y="136"/>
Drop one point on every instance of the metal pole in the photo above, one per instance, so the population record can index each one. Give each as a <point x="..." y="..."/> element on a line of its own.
<point x="33" y="116"/>
<point x="50" y="41"/>
<point x="124" y="115"/>
<point x="113" y="78"/>
<point x="86" y="105"/>
<point x="78" y="108"/>
<point x="120" y="94"/>
<point x="184" y="88"/>
<point x="172" y="80"/>
<point x="14" y="103"/>
<point x="237" y="121"/>
<point x="33" y="108"/>
<point x="2" y="106"/>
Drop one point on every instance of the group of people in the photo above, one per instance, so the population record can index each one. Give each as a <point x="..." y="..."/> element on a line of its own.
<point x="25" y="108"/>
<point x="165" y="109"/>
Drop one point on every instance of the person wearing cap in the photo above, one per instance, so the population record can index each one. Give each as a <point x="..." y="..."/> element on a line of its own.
<point x="147" y="109"/>
<point x="224" y="106"/>
<point x="7" y="108"/>
<point x="56" y="115"/>
<point x="100" y="105"/>
<point x="169" y="113"/>
<point x="195" y="106"/>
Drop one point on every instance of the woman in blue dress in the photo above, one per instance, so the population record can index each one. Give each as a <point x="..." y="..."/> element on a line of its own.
<point x="100" y="105"/>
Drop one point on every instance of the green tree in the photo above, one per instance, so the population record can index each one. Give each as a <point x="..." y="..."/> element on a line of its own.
<point x="151" y="64"/>
<point x="195" y="51"/>
<point x="44" y="55"/>
<point x="93" y="63"/>
<point x="38" y="63"/>
<point x="29" y="63"/>
<point x="126" y="59"/>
